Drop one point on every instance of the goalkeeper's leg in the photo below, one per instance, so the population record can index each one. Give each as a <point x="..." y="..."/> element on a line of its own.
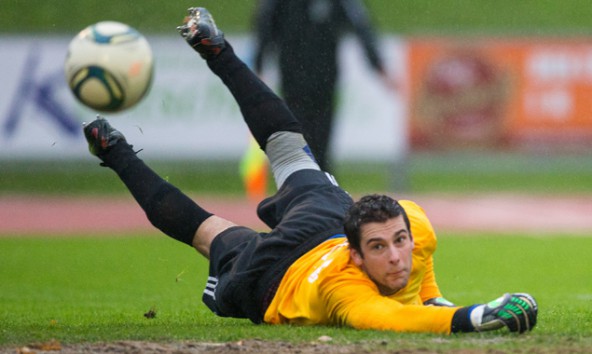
<point x="166" y="207"/>
<point x="272" y="124"/>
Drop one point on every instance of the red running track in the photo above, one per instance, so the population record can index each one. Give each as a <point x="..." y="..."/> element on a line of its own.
<point x="500" y="213"/>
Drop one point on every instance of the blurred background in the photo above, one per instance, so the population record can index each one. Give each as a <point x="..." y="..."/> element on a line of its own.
<point x="492" y="96"/>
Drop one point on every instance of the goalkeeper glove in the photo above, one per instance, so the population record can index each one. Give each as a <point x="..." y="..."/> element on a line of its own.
<point x="517" y="311"/>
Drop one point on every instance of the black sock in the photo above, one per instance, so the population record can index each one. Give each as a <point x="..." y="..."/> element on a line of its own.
<point x="166" y="207"/>
<point x="263" y="111"/>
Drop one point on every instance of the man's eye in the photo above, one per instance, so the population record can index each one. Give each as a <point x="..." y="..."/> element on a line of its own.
<point x="377" y="247"/>
<point x="401" y="239"/>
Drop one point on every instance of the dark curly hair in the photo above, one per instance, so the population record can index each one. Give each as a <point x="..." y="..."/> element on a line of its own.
<point x="371" y="208"/>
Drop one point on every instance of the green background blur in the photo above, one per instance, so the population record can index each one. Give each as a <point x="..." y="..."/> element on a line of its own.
<point x="401" y="16"/>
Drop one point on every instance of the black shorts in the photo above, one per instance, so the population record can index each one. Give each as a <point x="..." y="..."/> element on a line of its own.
<point x="246" y="266"/>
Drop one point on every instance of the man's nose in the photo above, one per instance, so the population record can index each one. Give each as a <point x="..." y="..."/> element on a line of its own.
<point x="394" y="254"/>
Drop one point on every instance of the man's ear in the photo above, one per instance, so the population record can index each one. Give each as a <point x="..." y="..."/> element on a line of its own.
<point x="356" y="257"/>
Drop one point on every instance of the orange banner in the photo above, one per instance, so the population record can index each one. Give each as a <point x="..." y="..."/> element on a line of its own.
<point x="526" y="93"/>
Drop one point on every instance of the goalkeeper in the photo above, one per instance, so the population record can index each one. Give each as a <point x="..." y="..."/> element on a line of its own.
<point x="326" y="260"/>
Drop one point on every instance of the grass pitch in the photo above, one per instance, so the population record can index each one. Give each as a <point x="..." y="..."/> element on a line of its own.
<point x="99" y="289"/>
<point x="421" y="173"/>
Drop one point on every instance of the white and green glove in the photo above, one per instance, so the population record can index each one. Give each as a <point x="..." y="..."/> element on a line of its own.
<point x="516" y="311"/>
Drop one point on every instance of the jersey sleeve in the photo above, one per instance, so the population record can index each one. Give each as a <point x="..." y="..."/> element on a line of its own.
<point x="359" y="305"/>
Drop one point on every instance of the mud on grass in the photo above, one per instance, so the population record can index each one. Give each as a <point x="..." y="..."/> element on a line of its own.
<point x="322" y="345"/>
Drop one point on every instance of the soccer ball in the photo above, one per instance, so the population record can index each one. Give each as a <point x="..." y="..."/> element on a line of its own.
<point x="109" y="66"/>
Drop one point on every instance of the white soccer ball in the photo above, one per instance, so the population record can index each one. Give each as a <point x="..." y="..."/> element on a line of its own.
<point x="109" y="66"/>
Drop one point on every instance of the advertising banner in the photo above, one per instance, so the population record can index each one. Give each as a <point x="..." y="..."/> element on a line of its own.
<point x="188" y="113"/>
<point x="501" y="93"/>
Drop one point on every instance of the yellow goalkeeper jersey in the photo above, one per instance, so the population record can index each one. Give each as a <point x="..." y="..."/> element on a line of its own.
<point x="324" y="287"/>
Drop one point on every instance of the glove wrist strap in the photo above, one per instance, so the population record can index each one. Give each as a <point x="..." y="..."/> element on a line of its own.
<point x="461" y="321"/>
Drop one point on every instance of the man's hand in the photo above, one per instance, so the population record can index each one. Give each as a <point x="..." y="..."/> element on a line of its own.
<point x="517" y="311"/>
<point x="439" y="301"/>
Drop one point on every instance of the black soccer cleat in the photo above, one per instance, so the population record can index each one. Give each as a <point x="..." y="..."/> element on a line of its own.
<point x="101" y="136"/>
<point x="200" y="31"/>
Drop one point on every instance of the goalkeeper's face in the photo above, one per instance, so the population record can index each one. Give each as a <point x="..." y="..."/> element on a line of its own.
<point x="385" y="254"/>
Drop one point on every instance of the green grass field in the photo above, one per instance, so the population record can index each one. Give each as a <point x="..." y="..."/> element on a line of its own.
<point x="422" y="173"/>
<point x="98" y="289"/>
<point x="93" y="289"/>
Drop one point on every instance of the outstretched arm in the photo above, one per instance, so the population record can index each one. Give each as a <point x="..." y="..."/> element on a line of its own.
<point x="353" y="299"/>
<point x="362" y="307"/>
